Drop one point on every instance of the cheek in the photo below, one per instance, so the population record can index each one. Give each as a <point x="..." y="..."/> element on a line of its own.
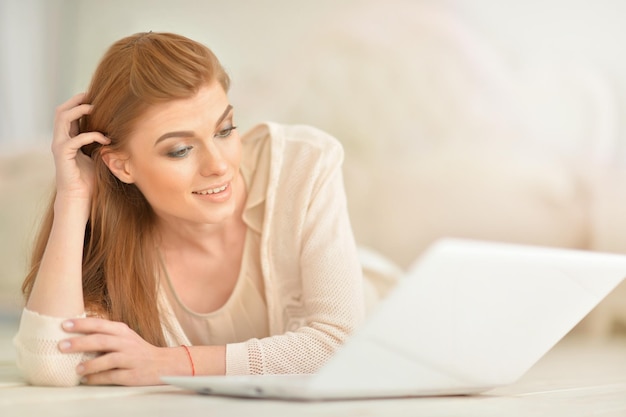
<point x="234" y="152"/>
<point x="236" y="159"/>
<point x="156" y="180"/>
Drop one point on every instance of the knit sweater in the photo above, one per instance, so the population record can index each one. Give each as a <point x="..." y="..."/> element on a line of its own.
<point x="311" y="272"/>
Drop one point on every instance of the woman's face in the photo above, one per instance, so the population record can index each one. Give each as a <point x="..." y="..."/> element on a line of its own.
<point x="184" y="156"/>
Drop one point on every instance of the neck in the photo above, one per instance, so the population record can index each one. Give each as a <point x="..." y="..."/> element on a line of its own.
<point x="204" y="238"/>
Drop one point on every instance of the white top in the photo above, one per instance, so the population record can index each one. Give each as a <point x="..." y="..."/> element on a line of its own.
<point x="242" y="317"/>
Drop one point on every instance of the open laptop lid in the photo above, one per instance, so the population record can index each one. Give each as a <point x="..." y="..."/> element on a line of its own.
<point x="471" y="315"/>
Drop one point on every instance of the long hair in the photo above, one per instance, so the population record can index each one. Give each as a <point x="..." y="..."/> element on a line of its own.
<point x="120" y="262"/>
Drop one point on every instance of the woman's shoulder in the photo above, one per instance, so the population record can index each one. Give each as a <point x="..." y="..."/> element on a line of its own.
<point x="290" y="138"/>
<point x="280" y="157"/>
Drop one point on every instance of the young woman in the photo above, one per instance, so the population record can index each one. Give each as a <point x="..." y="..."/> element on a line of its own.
<point x="172" y="245"/>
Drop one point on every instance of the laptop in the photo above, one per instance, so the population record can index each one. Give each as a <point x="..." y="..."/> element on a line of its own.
<point x="468" y="316"/>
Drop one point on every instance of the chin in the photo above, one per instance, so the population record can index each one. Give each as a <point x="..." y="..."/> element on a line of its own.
<point x="219" y="216"/>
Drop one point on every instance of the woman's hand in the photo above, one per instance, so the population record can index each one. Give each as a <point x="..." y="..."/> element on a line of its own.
<point x="74" y="170"/>
<point x="124" y="357"/>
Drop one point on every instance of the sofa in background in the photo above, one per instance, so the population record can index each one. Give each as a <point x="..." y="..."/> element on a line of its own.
<point x="445" y="135"/>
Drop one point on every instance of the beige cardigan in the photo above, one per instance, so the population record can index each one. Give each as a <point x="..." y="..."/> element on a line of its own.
<point x="312" y="276"/>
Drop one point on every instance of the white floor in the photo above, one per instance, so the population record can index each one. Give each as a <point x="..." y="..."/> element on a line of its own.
<point x="577" y="378"/>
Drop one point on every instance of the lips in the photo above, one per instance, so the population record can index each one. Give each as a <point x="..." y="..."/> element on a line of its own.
<point x="210" y="191"/>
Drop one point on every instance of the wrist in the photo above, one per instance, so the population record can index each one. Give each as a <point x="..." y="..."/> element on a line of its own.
<point x="72" y="208"/>
<point x="196" y="360"/>
<point x="190" y="357"/>
<point x="175" y="361"/>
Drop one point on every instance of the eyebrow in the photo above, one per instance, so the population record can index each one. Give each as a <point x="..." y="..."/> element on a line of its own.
<point x="189" y="133"/>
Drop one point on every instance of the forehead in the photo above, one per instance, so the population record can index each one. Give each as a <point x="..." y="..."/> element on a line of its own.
<point x="206" y="106"/>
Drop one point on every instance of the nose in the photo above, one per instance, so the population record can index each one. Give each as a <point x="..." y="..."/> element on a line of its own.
<point x="212" y="162"/>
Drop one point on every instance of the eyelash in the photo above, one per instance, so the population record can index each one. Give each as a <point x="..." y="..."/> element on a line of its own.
<point x="224" y="133"/>
<point x="182" y="152"/>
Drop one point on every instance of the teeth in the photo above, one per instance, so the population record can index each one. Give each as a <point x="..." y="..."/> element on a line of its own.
<point x="211" y="191"/>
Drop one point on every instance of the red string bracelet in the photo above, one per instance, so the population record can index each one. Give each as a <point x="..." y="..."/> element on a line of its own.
<point x="193" y="368"/>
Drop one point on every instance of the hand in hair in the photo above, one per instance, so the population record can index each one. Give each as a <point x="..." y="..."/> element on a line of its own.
<point x="54" y="284"/>
<point x="74" y="170"/>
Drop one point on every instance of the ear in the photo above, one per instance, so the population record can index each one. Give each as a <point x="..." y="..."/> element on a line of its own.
<point x="119" y="165"/>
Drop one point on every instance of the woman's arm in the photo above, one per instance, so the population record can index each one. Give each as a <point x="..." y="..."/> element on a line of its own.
<point x="56" y="294"/>
<point x="314" y="263"/>
<point x="57" y="291"/>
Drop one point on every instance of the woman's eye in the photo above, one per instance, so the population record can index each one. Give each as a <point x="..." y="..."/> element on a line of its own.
<point x="224" y="133"/>
<point x="179" y="153"/>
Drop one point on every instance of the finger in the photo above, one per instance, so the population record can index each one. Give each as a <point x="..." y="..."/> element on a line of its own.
<point x="72" y="102"/>
<point x="66" y="124"/>
<point x="110" y="377"/>
<point x="101" y="363"/>
<point x="75" y="113"/>
<point x="87" y="138"/>
<point x="92" y="343"/>
<point x="95" y="325"/>
<point x="81" y="140"/>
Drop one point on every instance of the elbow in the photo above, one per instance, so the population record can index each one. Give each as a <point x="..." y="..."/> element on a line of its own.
<point x="52" y="370"/>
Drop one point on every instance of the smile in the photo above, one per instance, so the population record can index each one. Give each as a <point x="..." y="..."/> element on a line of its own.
<point x="212" y="190"/>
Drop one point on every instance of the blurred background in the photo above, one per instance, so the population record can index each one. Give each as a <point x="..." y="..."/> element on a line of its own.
<point x="491" y="119"/>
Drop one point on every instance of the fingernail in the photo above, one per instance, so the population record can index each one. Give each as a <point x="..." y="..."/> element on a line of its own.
<point x="83" y="380"/>
<point x="65" y="345"/>
<point x="80" y="369"/>
<point x="68" y="324"/>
